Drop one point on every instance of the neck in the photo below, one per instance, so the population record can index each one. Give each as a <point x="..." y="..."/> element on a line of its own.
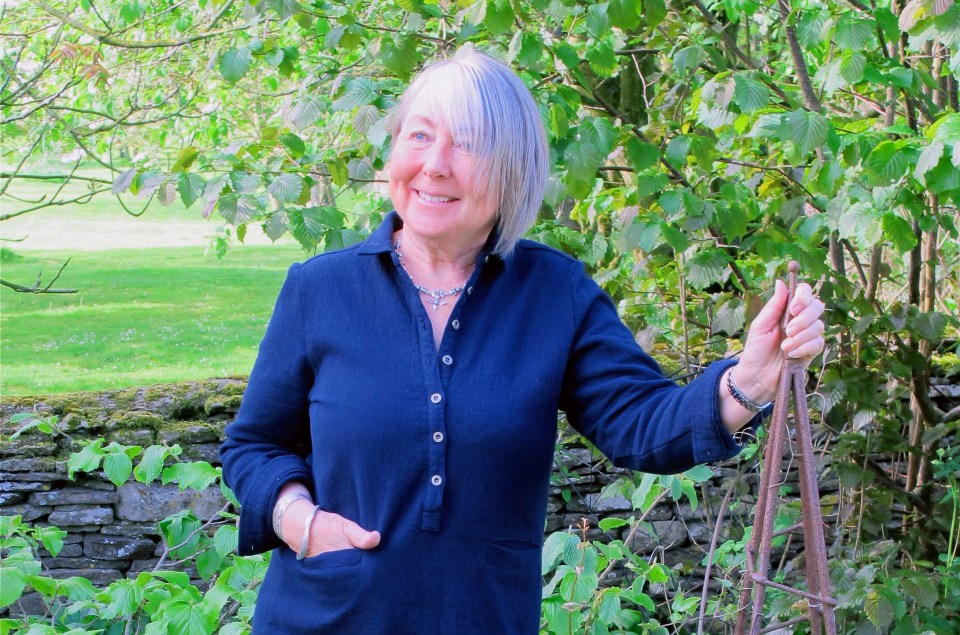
<point x="436" y="260"/>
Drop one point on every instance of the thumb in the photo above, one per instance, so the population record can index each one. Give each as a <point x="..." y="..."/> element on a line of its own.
<point x="359" y="537"/>
<point x="771" y="313"/>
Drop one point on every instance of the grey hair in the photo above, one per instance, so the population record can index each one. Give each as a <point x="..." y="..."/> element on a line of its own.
<point x="485" y="104"/>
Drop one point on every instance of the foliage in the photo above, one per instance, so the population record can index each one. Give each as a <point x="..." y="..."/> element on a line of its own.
<point x="697" y="147"/>
<point x="161" y="601"/>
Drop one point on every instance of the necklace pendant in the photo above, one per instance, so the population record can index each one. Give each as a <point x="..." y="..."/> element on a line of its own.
<point x="435" y="302"/>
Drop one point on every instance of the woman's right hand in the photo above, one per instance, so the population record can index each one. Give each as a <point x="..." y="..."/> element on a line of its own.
<point x="328" y="531"/>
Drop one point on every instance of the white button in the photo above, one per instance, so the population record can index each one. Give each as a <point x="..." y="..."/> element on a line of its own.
<point x="436" y="397"/>
<point x="486" y="259"/>
<point x="447" y="360"/>
<point x="455" y="324"/>
<point x="436" y="480"/>
<point x="438" y="437"/>
<point x="469" y="290"/>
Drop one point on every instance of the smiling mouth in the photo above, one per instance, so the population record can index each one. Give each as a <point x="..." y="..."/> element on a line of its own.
<point x="435" y="199"/>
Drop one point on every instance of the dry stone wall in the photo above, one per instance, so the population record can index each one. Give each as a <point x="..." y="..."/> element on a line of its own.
<point x="111" y="531"/>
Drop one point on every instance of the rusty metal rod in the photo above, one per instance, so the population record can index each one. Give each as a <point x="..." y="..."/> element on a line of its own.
<point x="754" y="583"/>
<point x="779" y="625"/>
<point x="789" y="589"/>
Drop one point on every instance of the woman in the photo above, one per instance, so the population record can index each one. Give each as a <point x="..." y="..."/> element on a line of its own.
<point x="396" y="437"/>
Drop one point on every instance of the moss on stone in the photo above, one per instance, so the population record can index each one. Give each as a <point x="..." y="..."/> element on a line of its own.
<point x="136" y="420"/>
<point x="220" y="403"/>
<point x="192" y="432"/>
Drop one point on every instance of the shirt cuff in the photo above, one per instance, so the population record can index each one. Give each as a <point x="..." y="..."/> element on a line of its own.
<point x="255" y="529"/>
<point x="712" y="441"/>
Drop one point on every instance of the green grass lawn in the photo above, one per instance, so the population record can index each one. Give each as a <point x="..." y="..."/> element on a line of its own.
<point x="141" y="317"/>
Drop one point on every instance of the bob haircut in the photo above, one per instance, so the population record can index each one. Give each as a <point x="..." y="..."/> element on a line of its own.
<point x="489" y="110"/>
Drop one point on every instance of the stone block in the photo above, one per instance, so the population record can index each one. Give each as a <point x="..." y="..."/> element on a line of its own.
<point x="574" y="457"/>
<point x="93" y="516"/>
<point x="27" y="512"/>
<point x="29" y="604"/>
<point x="74" y="496"/>
<point x="31" y="465"/>
<point x="103" y="547"/>
<point x="659" y="533"/>
<point x="141" y="503"/>
<point x="85" y="563"/>
<point x="96" y="481"/>
<point x="29" y="448"/>
<point x="68" y="551"/>
<point x="209" y="452"/>
<point x="222" y="403"/>
<point x="9" y="498"/>
<point x="190" y="433"/>
<point x="48" y="477"/>
<point x="13" y="486"/>
<point x="130" y="529"/>
<point x="142" y="438"/>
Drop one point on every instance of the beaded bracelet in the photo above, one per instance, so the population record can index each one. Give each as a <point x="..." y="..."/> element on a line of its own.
<point x="306" y="533"/>
<point x="281" y="508"/>
<point x="742" y="399"/>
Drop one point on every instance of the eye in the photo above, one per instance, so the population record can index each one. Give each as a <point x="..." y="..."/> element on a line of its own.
<point x="419" y="136"/>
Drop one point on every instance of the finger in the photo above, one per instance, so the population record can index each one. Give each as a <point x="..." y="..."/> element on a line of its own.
<point x="808" y="350"/>
<point x="798" y="339"/>
<point x="359" y="537"/>
<point x="802" y="296"/>
<point x="803" y="320"/>
<point x="772" y="311"/>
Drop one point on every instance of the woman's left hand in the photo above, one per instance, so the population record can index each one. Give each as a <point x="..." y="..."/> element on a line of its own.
<point x="758" y="371"/>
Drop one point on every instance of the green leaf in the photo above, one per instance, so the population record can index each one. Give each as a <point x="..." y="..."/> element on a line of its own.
<point x="674" y="237"/>
<point x="730" y="316"/>
<point x="187" y="618"/>
<point x="706" y="268"/>
<point x="123" y="181"/>
<point x="286" y="188"/>
<point x="805" y="128"/>
<point x="359" y="92"/>
<point x="499" y="16"/>
<point x="677" y="150"/>
<point x="12" y="583"/>
<point x="946" y="129"/>
<point x="52" y="539"/>
<point x="599" y="133"/>
<point x="151" y="464"/>
<point x="852" y="66"/>
<point x="612" y="523"/>
<point x="654" y="11"/>
<point x="929" y="326"/>
<point x="118" y="466"/>
<point x="879" y="610"/>
<point x="749" y="94"/>
<point x="899" y="232"/>
<point x="624" y="14"/>
<point x="225" y="540"/>
<point x="198" y="475"/>
<point x="399" y="54"/>
<point x="921" y="590"/>
<point x="596" y="250"/>
<point x="244" y="182"/>
<point x="688" y="59"/>
<point x="235" y="63"/>
<point x="811" y="27"/>
<point x="294" y="144"/>
<point x="641" y="155"/>
<point x="305" y="111"/>
<point x="700" y="473"/>
<point x="284" y="8"/>
<point x="190" y="187"/>
<point x="602" y="59"/>
<point x="185" y="159"/>
<point x="238" y="209"/>
<point x="886" y="163"/>
<point x="928" y="159"/>
<point x="853" y="33"/>
<point x="87" y="459"/>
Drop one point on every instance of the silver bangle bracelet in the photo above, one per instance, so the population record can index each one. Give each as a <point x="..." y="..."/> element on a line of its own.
<point x="281" y="508"/>
<point x="741" y="398"/>
<point x="306" y="533"/>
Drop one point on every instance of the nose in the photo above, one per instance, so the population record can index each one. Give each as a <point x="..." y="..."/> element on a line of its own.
<point x="436" y="163"/>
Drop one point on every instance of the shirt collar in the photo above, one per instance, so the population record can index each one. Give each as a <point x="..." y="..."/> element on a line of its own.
<point x="381" y="240"/>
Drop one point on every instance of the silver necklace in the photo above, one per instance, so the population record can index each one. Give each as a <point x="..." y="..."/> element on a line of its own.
<point x="435" y="297"/>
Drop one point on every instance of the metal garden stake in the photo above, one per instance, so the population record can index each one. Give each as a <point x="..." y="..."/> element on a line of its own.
<point x="820" y="604"/>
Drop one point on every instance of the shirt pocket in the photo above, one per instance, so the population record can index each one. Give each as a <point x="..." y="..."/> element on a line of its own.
<point x="514" y="554"/>
<point x="336" y="559"/>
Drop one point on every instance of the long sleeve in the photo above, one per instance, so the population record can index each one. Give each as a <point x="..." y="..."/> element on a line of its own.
<point x="267" y="444"/>
<point x="618" y="398"/>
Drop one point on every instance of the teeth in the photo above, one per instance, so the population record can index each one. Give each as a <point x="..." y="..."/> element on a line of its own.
<point x="436" y="199"/>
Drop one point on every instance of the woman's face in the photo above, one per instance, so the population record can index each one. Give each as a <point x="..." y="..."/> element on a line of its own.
<point x="431" y="178"/>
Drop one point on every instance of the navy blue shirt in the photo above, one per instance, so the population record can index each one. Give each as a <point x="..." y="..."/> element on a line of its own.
<point x="447" y="453"/>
